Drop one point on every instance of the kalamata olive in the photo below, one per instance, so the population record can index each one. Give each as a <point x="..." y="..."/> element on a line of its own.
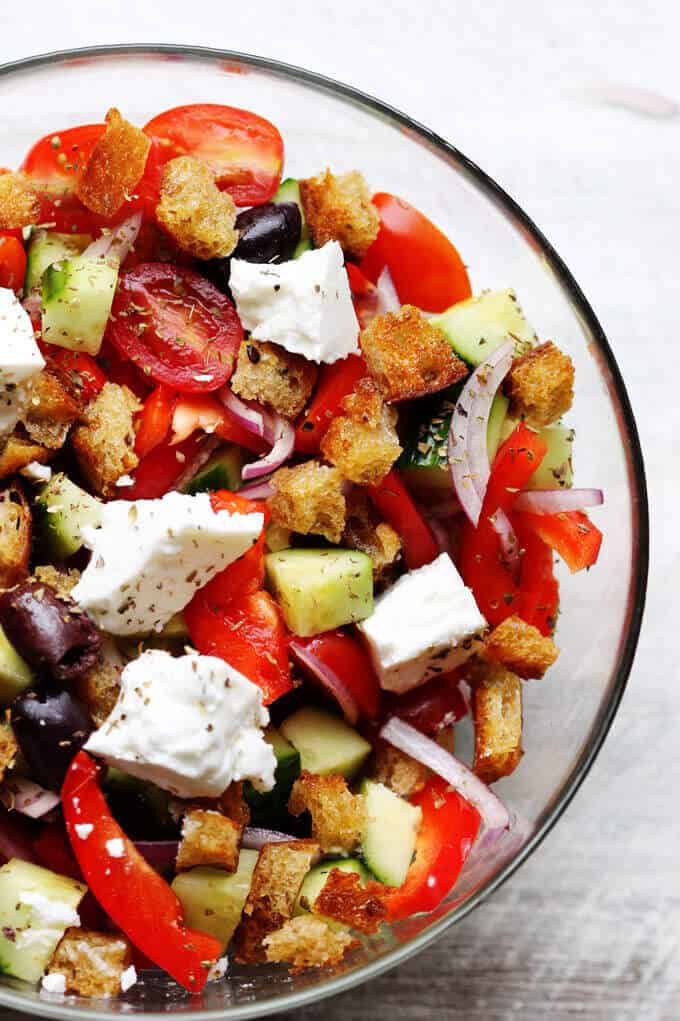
<point x="50" y="728"/>
<point x="48" y="631"/>
<point x="269" y="233"/>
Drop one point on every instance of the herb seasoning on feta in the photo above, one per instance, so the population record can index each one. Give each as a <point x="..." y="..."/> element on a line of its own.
<point x="20" y="359"/>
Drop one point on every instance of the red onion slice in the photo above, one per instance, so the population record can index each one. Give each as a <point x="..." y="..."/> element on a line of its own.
<point x="260" y="490"/>
<point x="405" y="737"/>
<point x="161" y="854"/>
<point x="508" y="540"/>
<point x="558" y="501"/>
<point x="388" y="299"/>
<point x="118" y="242"/>
<point x="328" y="680"/>
<point x="283" y="438"/>
<point x="252" y="419"/>
<point x="194" y="465"/>
<point x="467" y="452"/>
<point x="27" y="798"/>
<point x="254" y="839"/>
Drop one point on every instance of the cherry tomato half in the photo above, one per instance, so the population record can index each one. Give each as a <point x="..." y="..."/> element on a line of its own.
<point x="12" y="262"/>
<point x="176" y="326"/>
<point x="55" y="161"/>
<point x="244" y="151"/>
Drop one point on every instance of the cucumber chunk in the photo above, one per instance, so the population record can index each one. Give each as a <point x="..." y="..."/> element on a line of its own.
<point x="36" y="908"/>
<point x="222" y="471"/>
<point x="477" y="326"/>
<point x="155" y="800"/>
<point x="315" y="880"/>
<point x="321" y="589"/>
<point x="212" y="899"/>
<point x="47" y="248"/>
<point x="270" y="808"/>
<point x="289" y="191"/>
<point x="325" y="743"/>
<point x="15" y="674"/>
<point x="77" y="294"/>
<point x="497" y="416"/>
<point x="62" y="508"/>
<point x="390" y="832"/>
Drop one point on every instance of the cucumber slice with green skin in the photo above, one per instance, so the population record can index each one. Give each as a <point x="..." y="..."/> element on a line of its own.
<point x="15" y="674"/>
<point x="556" y="469"/>
<point x="497" y="416"/>
<point x="36" y="908"/>
<point x="325" y="743"/>
<point x="316" y="878"/>
<point x="62" y="509"/>
<point x="212" y="899"/>
<point x="321" y="589"/>
<point x="47" y="248"/>
<point x="479" y="325"/>
<point x="269" y="809"/>
<point x="222" y="471"/>
<point x="156" y="800"/>
<point x="289" y="191"/>
<point x="77" y="294"/>
<point x="390" y="833"/>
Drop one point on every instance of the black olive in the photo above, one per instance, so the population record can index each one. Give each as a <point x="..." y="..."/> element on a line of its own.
<point x="268" y="233"/>
<point x="217" y="271"/>
<point x="50" y="728"/>
<point x="48" y="631"/>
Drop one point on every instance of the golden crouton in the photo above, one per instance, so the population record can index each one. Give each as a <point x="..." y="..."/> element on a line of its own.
<point x="115" y="166"/>
<point x="15" y="536"/>
<point x="209" y="838"/>
<point x="50" y="411"/>
<point x="541" y="385"/>
<point x="408" y="357"/>
<point x="521" y="648"/>
<point x="99" y="687"/>
<point x="497" y="715"/>
<point x="194" y="211"/>
<point x="309" y="499"/>
<point x="92" y="962"/>
<point x="62" y="580"/>
<point x="397" y="770"/>
<point x="364" y="531"/>
<point x="337" y="815"/>
<point x="273" y="894"/>
<point x="19" y="206"/>
<point x="308" y="942"/>
<point x="340" y="209"/>
<point x="344" y="899"/>
<point x="363" y="443"/>
<point x="270" y="374"/>
<point x="105" y="441"/>
<point x="8" y="749"/>
<point x="18" y="452"/>
<point x="233" y="804"/>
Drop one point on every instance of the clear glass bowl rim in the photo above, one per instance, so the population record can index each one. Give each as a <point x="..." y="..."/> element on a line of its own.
<point x="579" y="302"/>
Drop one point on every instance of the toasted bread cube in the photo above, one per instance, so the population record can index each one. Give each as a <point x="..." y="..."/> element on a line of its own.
<point x="308" y="942"/>
<point x="100" y="686"/>
<point x="541" y="385"/>
<point x="274" y="890"/>
<point x="270" y="374"/>
<point x="338" y="816"/>
<point x="19" y="205"/>
<point x="105" y="441"/>
<point x="309" y="499"/>
<point x="18" y="452"/>
<point x="233" y="804"/>
<point x="209" y="838"/>
<point x="497" y="715"/>
<point x="114" y="167"/>
<point x="15" y="536"/>
<point x="521" y="648"/>
<point x="344" y="899"/>
<point x="339" y="208"/>
<point x="9" y="748"/>
<point x="91" y="962"/>
<point x="62" y="580"/>
<point x="364" y="531"/>
<point x="363" y="443"/>
<point x="194" y="211"/>
<point x="50" y="411"/>
<point x="397" y="770"/>
<point x="408" y="357"/>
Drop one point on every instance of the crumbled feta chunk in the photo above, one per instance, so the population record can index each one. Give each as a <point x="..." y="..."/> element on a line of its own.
<point x="20" y="357"/>
<point x="128" y="978"/>
<point x="83" y="830"/>
<point x="124" y="481"/>
<point x="55" y="982"/>
<point x="219" y="969"/>
<point x="426" y="623"/>
<point x="190" y="724"/>
<point x="149" y="557"/>
<point x="115" y="847"/>
<point x="304" y="305"/>
<point x="37" y="472"/>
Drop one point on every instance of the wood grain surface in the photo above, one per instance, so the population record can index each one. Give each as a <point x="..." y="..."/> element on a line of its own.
<point x="590" y="926"/>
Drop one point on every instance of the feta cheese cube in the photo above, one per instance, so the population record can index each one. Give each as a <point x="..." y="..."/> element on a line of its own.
<point x="20" y="358"/>
<point x="150" y="556"/>
<point x="12" y="405"/>
<point x="304" y="305"/>
<point x="191" y="725"/>
<point x="426" y="623"/>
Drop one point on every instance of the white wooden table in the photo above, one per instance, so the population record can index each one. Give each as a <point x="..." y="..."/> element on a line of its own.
<point x="590" y="927"/>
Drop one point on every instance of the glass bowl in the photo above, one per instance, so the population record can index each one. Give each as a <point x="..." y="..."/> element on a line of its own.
<point x="567" y="715"/>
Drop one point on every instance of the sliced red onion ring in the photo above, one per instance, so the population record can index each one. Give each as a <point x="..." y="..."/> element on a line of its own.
<point x="194" y="465"/>
<point x="328" y="680"/>
<point x="558" y="501"/>
<point x="408" y="739"/>
<point x="508" y="540"/>
<point x="15" y="841"/>
<point x="254" y="839"/>
<point x="27" y="798"/>
<point x="388" y="299"/>
<point x="32" y="303"/>
<point x="467" y="452"/>
<point x="159" y="853"/>
<point x="252" y="419"/>
<point x="283" y="440"/>
<point x="260" y="490"/>
<point x="118" y="242"/>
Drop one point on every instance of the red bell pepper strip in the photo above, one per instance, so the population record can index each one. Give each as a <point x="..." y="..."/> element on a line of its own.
<point x="539" y="595"/>
<point x="433" y="705"/>
<point x="448" y="830"/>
<point x="83" y="374"/>
<point x="335" y="383"/>
<point x="122" y="371"/>
<point x="54" y="851"/>
<point x="136" y="897"/>
<point x="155" y="419"/>
<point x="158" y="471"/>
<point x="516" y="461"/>
<point x="343" y="654"/>
<point x="393" y="500"/>
<point x="571" y="534"/>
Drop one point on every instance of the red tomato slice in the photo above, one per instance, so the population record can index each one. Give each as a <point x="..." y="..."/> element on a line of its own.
<point x="336" y="381"/>
<point x="426" y="268"/>
<point x="120" y="370"/>
<point x="244" y="151"/>
<point x="82" y="372"/>
<point x="12" y="262"/>
<point x="155" y="420"/>
<point x="433" y="705"/>
<point x="176" y="327"/>
<point x="345" y="657"/>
